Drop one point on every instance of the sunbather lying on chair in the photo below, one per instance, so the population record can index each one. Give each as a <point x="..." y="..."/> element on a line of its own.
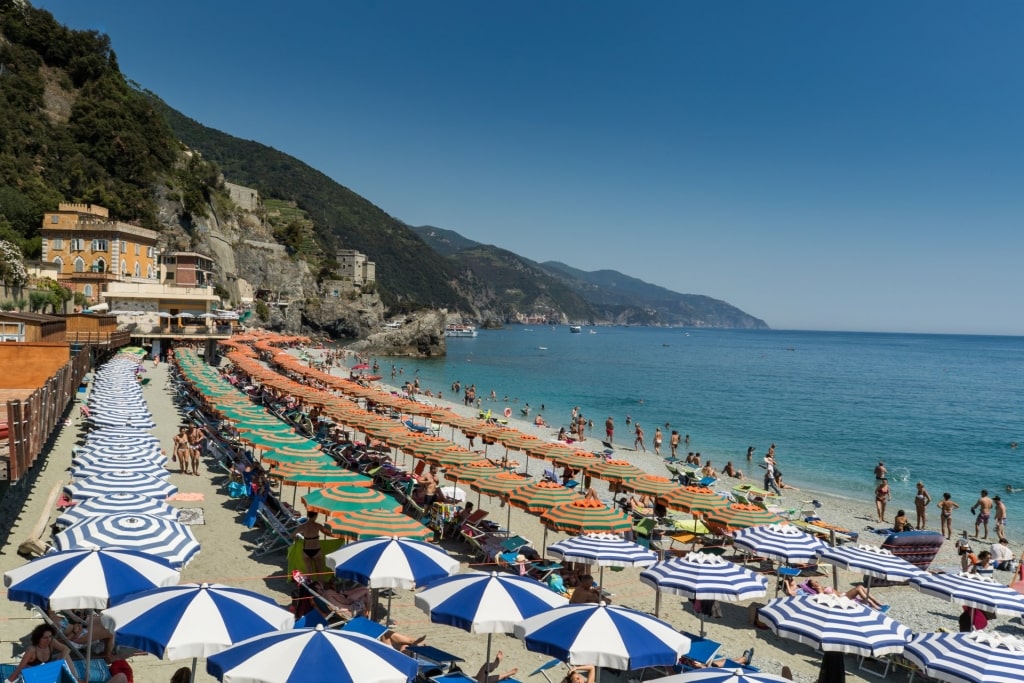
<point x="84" y="633"/>
<point x="858" y="593"/>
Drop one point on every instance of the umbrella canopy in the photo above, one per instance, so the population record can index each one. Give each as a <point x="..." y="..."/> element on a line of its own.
<point x="834" y="623"/>
<point x="157" y="536"/>
<point x="651" y="485"/>
<point x="541" y="496"/>
<point x="971" y="590"/>
<point x="116" y="503"/>
<point x="584" y="516"/>
<point x="391" y="563"/>
<point x="100" y="451"/>
<point x="704" y="576"/>
<point x="376" y="523"/>
<point x="976" y="657"/>
<point x="120" y="435"/>
<point x="614" y="470"/>
<point x="87" y="579"/>
<point x="194" y="620"/>
<point x="713" y="675"/>
<point x="499" y="485"/>
<point x="603" y="635"/>
<point x="119" y="482"/>
<point x="605" y="550"/>
<point x="140" y="466"/>
<point x="312" y="655"/>
<point x="337" y="499"/>
<point x="693" y="499"/>
<point x="781" y="542"/>
<point x="740" y="516"/>
<point x="872" y="561"/>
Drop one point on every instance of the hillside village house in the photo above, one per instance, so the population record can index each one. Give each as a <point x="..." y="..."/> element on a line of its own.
<point x="93" y="251"/>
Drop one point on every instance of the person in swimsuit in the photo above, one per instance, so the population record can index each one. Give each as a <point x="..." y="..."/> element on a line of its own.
<point x="983" y="508"/>
<point x="882" y="496"/>
<point x="946" y="507"/>
<point x="657" y="440"/>
<point x="638" y="442"/>
<point x="43" y="649"/>
<point x="1000" y="516"/>
<point x="181" y="449"/>
<point x="921" y="502"/>
<point x="195" y="440"/>
<point x="309" y="531"/>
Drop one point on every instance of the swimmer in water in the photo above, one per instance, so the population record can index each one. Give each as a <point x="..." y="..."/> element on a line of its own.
<point x="1010" y="489"/>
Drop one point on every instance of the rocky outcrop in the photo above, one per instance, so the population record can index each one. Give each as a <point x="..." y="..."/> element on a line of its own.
<point x="420" y="336"/>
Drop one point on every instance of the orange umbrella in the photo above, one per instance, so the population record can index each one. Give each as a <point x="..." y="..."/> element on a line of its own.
<point x="541" y="496"/>
<point x="651" y="485"/>
<point x="740" y="516"/>
<point x="693" y="499"/>
<point x="374" y="523"/>
<point x="586" y="516"/>
<point x="614" y="470"/>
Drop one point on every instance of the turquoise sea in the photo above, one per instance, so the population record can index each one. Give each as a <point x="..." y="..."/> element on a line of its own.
<point x="943" y="409"/>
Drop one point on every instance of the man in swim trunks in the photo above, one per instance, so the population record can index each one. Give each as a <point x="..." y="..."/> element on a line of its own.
<point x="983" y="508"/>
<point x="609" y="429"/>
<point x="1000" y="516"/>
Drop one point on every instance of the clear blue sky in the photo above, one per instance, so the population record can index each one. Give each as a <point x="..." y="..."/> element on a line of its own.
<point x="842" y="166"/>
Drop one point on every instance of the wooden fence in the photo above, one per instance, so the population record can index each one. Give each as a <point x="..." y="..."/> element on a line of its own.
<point x="31" y="421"/>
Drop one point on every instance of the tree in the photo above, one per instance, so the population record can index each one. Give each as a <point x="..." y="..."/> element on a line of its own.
<point x="12" y="265"/>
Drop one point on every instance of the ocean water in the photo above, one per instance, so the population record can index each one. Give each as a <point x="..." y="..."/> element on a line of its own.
<point x="942" y="409"/>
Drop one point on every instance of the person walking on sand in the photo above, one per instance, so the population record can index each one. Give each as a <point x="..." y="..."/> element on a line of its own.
<point x="638" y="442"/>
<point x="921" y="502"/>
<point x="673" y="442"/>
<point x="882" y="496"/>
<point x="657" y="440"/>
<point x="609" y="429"/>
<point x="983" y="508"/>
<point x="946" y="507"/>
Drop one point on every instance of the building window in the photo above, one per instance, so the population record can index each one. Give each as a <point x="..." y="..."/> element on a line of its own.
<point x="58" y="242"/>
<point x="77" y="244"/>
<point x="150" y="251"/>
<point x="87" y="290"/>
<point x="138" y="270"/>
<point x="99" y="266"/>
<point x="59" y="262"/>
<point x="99" y="245"/>
<point x="79" y="265"/>
<point x="55" y="219"/>
<point x="136" y="249"/>
<point x="149" y="271"/>
<point x="124" y="268"/>
<point x="124" y="246"/>
<point x="170" y="275"/>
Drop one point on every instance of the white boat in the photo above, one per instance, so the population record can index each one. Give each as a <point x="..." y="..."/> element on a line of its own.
<point x="575" y="329"/>
<point x="459" y="331"/>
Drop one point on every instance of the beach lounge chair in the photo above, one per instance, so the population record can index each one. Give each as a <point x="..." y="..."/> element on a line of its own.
<point x="276" y="537"/>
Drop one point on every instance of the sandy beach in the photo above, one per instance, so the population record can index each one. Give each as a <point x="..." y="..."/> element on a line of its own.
<point x="226" y="558"/>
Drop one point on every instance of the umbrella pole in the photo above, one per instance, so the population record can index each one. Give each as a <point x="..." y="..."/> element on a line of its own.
<point x="193" y="669"/>
<point x="702" y="632"/>
<point x="544" y="543"/>
<point x="389" y="621"/>
<point x="868" y="582"/>
<point x="657" y="602"/>
<point x="487" y="662"/>
<point x="508" y="521"/>
<point x="88" y="651"/>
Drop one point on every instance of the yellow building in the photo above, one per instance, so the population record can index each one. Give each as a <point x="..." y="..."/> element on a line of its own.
<point x="91" y="250"/>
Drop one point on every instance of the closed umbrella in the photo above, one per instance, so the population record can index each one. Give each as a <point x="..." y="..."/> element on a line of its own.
<point x="975" y="657"/>
<point x="312" y="655"/>
<point x="157" y="536"/>
<point x="489" y="603"/>
<point x="194" y="620"/>
<point x="704" y="576"/>
<point x="603" y="635"/>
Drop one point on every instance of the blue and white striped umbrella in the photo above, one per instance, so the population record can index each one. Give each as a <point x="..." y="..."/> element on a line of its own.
<point x="834" y="623"/>
<point x="713" y="675"/>
<point x="603" y="635"/>
<point x="312" y="655"/>
<point x="114" y="504"/>
<point x="194" y="620"/>
<point x="703" y="576"/>
<point x="156" y="536"/>
<point x="872" y="561"/>
<point x="99" y="452"/>
<point x="109" y="418"/>
<point x="87" y="579"/>
<point x="135" y="466"/>
<point x="120" y="482"/>
<point x="782" y="542"/>
<point x="120" y="435"/>
<point x="975" y="657"/>
<point x="392" y="563"/>
<point x="604" y="550"/>
<point x="490" y="603"/>
<point x="971" y="590"/>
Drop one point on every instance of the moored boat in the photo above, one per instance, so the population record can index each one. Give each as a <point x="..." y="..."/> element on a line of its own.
<point x="459" y="331"/>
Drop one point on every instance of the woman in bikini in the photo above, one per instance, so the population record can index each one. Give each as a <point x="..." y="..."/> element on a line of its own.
<point x="946" y="507"/>
<point x="882" y="496"/>
<point x="309" y="531"/>
<point x="44" y="648"/>
<point x="921" y="502"/>
<point x="182" y="450"/>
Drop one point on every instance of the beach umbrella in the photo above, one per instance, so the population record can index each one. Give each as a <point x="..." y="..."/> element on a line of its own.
<point x="584" y="516"/>
<point x="391" y="563"/>
<point x="539" y="497"/>
<point x="312" y="655"/>
<point x="651" y="485"/>
<point x="500" y="485"/>
<point x="740" y="516"/>
<point x="456" y="456"/>
<point x="604" y="550"/>
<point x="374" y="523"/>
<point x="120" y="435"/>
<point x="721" y="675"/>
<point x="603" y="635"/>
<point x="490" y="603"/>
<point x="116" y="419"/>
<point x="157" y="536"/>
<point x="872" y="561"/>
<point x="834" y="623"/>
<point x="614" y="470"/>
<point x="92" y="578"/>
<point x="971" y="590"/>
<point x="116" y="503"/>
<point x="194" y="620"/>
<point x="704" y="576"/>
<point x="136" y="466"/>
<point x="693" y="499"/>
<point x="782" y="542"/>
<point x="472" y="471"/>
<point x="119" y="482"/>
<point x="332" y="500"/>
<point x="975" y="657"/>
<point x="99" y="450"/>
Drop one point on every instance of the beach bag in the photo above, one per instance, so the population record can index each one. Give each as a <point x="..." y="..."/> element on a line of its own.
<point x="236" y="489"/>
